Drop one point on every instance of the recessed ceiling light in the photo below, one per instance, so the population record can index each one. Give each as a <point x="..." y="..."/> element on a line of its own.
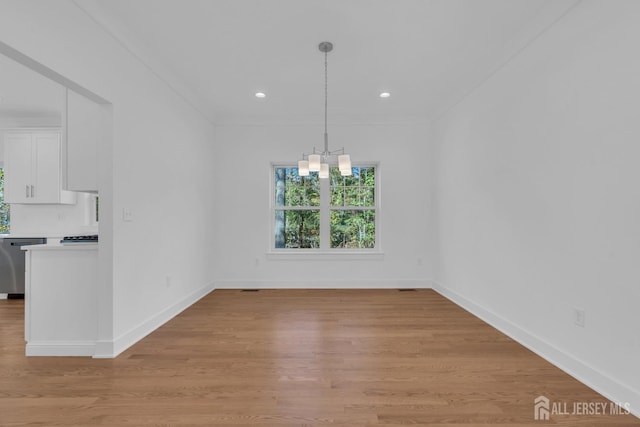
<point x="261" y="95"/>
<point x="385" y="94"/>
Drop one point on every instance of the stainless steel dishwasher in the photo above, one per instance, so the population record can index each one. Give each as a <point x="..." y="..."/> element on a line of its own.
<point x="12" y="264"/>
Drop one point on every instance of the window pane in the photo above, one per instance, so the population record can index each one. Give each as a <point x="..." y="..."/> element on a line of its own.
<point x="356" y="196"/>
<point x="336" y="177"/>
<point x="356" y="190"/>
<point x="353" y="229"/>
<point x="337" y="196"/>
<point x="295" y="190"/>
<point x="368" y="176"/>
<point x="366" y="196"/>
<point x="280" y="174"/>
<point x="351" y="196"/>
<point x="353" y="179"/>
<point x="297" y="229"/>
<point x="4" y="207"/>
<point x="312" y="196"/>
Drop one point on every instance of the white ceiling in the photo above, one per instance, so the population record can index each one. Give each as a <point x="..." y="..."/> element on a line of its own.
<point x="427" y="53"/>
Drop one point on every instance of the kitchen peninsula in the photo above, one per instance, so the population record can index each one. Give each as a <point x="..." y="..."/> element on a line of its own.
<point x="61" y="299"/>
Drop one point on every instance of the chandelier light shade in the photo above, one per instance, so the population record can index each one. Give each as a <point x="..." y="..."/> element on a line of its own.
<point x="303" y="167"/>
<point x="324" y="170"/>
<point x="321" y="160"/>
<point x="344" y="162"/>
<point x="314" y="162"/>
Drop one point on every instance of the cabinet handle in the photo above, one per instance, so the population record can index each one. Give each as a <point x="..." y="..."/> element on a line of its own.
<point x="32" y="191"/>
<point x="27" y="187"/>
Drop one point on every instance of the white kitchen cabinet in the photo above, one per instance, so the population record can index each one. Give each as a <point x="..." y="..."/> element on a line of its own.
<point x="61" y="303"/>
<point x="85" y="128"/>
<point x="32" y="169"/>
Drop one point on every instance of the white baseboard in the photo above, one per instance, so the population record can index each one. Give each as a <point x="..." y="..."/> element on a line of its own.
<point x="60" y="348"/>
<point x="322" y="284"/>
<point x="104" y="350"/>
<point x="586" y="374"/>
<point x="111" y="349"/>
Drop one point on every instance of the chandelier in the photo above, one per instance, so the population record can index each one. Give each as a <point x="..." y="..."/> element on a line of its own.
<point x="319" y="161"/>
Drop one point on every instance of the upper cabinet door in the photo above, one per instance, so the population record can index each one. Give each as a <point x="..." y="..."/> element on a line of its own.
<point x="85" y="129"/>
<point x="32" y="169"/>
<point x="17" y="169"/>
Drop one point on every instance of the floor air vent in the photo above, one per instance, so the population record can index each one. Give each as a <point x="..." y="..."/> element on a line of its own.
<point x="406" y="290"/>
<point x="250" y="290"/>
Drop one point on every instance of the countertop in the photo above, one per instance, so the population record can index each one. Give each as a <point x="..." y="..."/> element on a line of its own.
<point x="88" y="246"/>
<point x="50" y="235"/>
<point x="26" y="236"/>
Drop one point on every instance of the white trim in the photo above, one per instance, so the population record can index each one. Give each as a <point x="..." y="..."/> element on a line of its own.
<point x="323" y="284"/>
<point x="110" y="349"/>
<point x="325" y="212"/>
<point x="128" y="40"/>
<point x="583" y="372"/>
<point x="320" y="255"/>
<point x="32" y="129"/>
<point x="60" y="348"/>
<point x="104" y="350"/>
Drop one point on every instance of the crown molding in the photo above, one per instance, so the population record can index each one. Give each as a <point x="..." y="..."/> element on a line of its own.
<point x="122" y="34"/>
<point x="545" y="19"/>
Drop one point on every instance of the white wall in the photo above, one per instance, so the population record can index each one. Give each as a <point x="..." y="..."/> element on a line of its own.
<point x="538" y="196"/>
<point x="29" y="100"/>
<point x="158" y="166"/>
<point x="243" y="230"/>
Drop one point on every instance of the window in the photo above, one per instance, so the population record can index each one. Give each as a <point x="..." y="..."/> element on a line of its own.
<point x="353" y="209"/>
<point x="297" y="213"/>
<point x="335" y="214"/>
<point x="4" y="207"/>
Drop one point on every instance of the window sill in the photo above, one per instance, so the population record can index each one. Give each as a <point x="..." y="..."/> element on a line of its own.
<point x="314" y="255"/>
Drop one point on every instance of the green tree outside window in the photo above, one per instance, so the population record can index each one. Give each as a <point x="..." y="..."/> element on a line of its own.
<point x="348" y="203"/>
<point x="4" y="207"/>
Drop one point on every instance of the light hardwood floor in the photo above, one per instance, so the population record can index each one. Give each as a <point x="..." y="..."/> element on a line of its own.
<point x="295" y="358"/>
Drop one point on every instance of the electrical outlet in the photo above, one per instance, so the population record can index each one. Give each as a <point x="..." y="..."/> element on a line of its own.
<point x="127" y="214"/>
<point x="167" y="281"/>
<point x="579" y="317"/>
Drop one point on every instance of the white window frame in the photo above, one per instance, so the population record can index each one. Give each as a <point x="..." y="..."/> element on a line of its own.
<point x="325" y="250"/>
